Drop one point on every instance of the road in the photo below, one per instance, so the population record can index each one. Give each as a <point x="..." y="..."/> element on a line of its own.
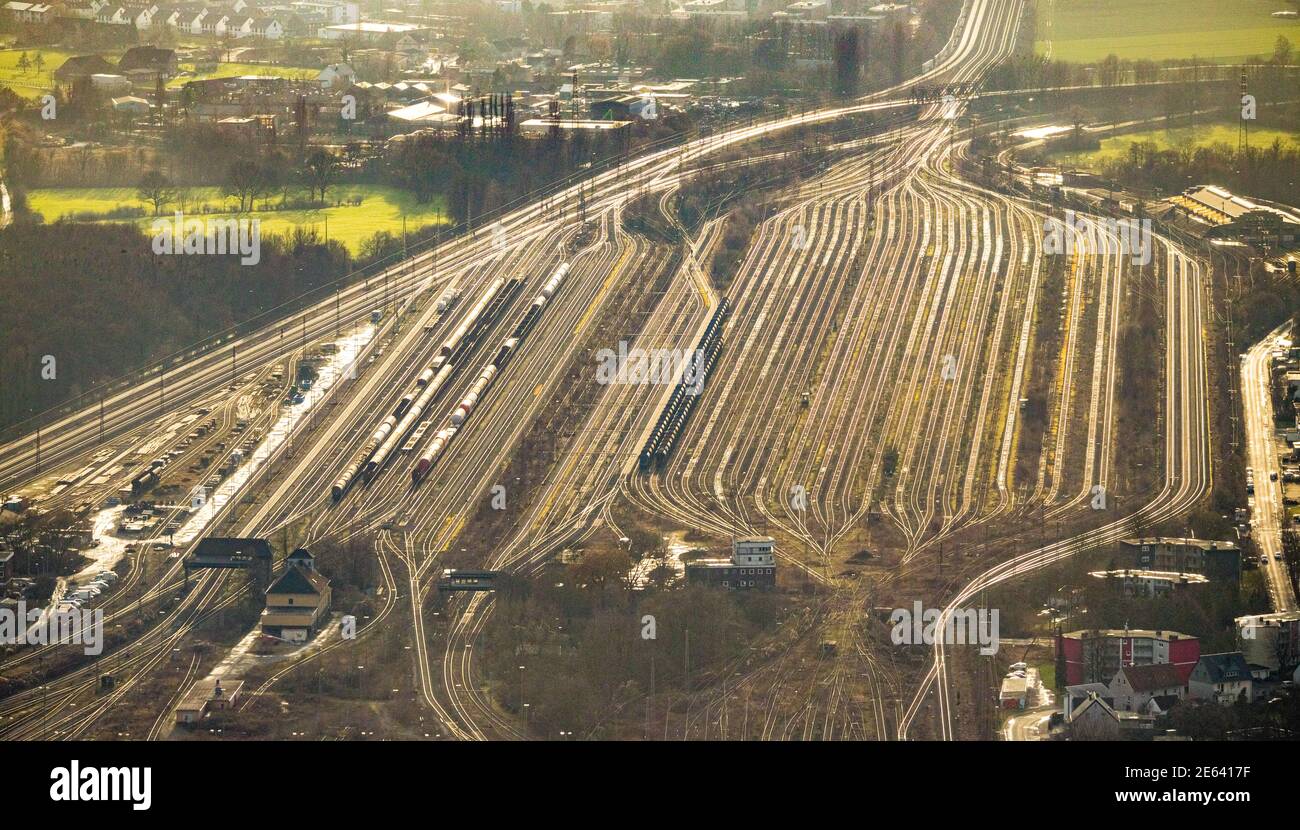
<point x="1268" y="514"/>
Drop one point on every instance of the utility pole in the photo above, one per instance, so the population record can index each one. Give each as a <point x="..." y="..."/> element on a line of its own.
<point x="649" y="701"/>
<point x="687" y="676"/>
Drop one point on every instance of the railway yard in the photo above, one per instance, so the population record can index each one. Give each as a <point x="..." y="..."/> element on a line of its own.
<point x="902" y="385"/>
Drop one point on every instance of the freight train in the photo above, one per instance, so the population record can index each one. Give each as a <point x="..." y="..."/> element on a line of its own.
<point x="148" y="479"/>
<point x="485" y="379"/>
<point x="672" y="421"/>
<point x="406" y="414"/>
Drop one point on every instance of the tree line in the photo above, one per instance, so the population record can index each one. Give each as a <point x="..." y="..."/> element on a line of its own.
<point x="98" y="300"/>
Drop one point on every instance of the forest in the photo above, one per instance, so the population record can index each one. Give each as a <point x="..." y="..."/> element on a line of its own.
<point x="102" y="303"/>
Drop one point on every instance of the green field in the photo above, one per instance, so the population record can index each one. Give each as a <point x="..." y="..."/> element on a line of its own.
<point x="1200" y="135"/>
<point x="230" y="70"/>
<point x="1216" y="30"/>
<point x="381" y="209"/>
<point x="30" y="84"/>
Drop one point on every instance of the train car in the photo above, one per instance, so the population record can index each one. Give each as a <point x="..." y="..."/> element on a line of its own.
<point x="404" y="404"/>
<point x="344" y="482"/>
<point x="471" y="399"/>
<point x="430" y="381"/>
<point x="144" y="482"/>
<point x="430" y="455"/>
<point x="409" y="419"/>
<point x="452" y="343"/>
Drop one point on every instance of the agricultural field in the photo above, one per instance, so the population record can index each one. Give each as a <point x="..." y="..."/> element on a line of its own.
<point x="1199" y="135"/>
<point x="1215" y="30"/>
<point x="380" y="209"/>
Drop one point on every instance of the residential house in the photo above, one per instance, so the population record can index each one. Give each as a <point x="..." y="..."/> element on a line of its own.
<point x="1135" y="687"/>
<point x="1271" y="640"/>
<point x="1075" y="695"/>
<point x="31" y="14"/>
<point x="215" y="24"/>
<point x="1224" y="677"/>
<point x="1218" y="560"/>
<point x="335" y="75"/>
<point x="1150" y="584"/>
<point x="143" y="18"/>
<point x="113" y="15"/>
<point x="267" y="28"/>
<point x="1093" y="720"/>
<point x="82" y="9"/>
<point x="240" y="26"/>
<point x="1094" y="655"/>
<point x="193" y="22"/>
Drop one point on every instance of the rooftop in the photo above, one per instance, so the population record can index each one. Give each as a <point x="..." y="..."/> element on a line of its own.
<point x="231" y="551"/>
<point x="299" y="580"/>
<point x="1203" y="544"/>
<point x="1154" y="677"/>
<point x="1225" y="666"/>
<point x="1160" y="576"/>
<point x="1141" y="633"/>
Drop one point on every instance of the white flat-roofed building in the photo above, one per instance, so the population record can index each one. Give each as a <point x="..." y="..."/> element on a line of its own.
<point x="367" y="30"/>
<point x="754" y="550"/>
<point x="714" y="8"/>
<point x="1145" y="583"/>
<point x="541" y="126"/>
<point x="809" y="9"/>
<point x="752" y="565"/>
<point x="892" y="11"/>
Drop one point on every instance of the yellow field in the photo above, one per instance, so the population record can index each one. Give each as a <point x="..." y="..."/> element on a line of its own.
<point x="1215" y="30"/>
<point x="381" y="209"/>
<point x="1200" y="135"/>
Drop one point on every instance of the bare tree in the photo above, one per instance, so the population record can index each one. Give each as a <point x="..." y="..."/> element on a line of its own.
<point x="244" y="181"/>
<point x="157" y="190"/>
<point x="318" y="171"/>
